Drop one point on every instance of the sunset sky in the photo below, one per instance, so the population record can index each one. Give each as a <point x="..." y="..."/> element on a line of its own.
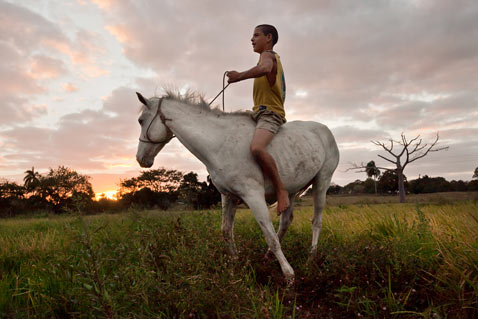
<point x="370" y="70"/>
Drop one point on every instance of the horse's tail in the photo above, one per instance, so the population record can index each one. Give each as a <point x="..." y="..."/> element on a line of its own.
<point x="297" y="195"/>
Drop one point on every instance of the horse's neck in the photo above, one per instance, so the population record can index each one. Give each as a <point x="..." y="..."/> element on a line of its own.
<point x="198" y="130"/>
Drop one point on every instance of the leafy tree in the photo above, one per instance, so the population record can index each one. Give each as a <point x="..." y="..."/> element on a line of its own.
<point x="472" y="185"/>
<point x="333" y="189"/>
<point x="475" y="174"/>
<point x="161" y="180"/>
<point x="458" y="186"/>
<point x="127" y="186"/>
<point x="11" y="190"/>
<point x="199" y="195"/>
<point x="370" y="186"/>
<point x="388" y="182"/>
<point x="11" y="198"/>
<point x="157" y="180"/>
<point x="152" y="188"/>
<point x="64" y="188"/>
<point x="31" y="179"/>
<point x="210" y="196"/>
<point x="428" y="184"/>
<point x="190" y="188"/>
<point x="372" y="171"/>
<point x="355" y="187"/>
<point x="146" y="198"/>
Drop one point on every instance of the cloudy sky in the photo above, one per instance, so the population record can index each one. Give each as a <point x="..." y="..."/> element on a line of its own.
<point x="370" y="70"/>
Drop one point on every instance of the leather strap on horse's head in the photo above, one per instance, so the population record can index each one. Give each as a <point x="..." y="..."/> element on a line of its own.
<point x="161" y="115"/>
<point x="163" y="120"/>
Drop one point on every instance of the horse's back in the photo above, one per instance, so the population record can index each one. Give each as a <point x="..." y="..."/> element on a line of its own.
<point x="303" y="148"/>
<point x="303" y="136"/>
<point x="296" y="141"/>
<point x="300" y="150"/>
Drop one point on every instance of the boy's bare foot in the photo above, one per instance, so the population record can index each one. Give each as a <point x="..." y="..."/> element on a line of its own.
<point x="282" y="201"/>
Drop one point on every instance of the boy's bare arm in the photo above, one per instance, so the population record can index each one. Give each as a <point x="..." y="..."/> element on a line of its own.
<point x="263" y="68"/>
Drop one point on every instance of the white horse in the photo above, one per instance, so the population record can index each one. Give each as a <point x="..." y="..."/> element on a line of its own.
<point x="305" y="153"/>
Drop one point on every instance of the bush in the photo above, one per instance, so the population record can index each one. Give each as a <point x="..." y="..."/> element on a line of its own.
<point x="146" y="198"/>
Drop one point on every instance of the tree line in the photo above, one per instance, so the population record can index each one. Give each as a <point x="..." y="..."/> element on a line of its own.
<point x="63" y="190"/>
<point x="388" y="183"/>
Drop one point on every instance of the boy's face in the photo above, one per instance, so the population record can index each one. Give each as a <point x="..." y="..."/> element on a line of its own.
<point x="260" y="41"/>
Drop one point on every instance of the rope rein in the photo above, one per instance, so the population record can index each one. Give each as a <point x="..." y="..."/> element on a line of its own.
<point x="224" y="87"/>
<point x="163" y="119"/>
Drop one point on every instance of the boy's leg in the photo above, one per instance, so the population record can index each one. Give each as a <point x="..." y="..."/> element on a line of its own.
<point x="258" y="148"/>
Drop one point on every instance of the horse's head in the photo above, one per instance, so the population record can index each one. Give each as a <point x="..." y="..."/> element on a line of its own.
<point x="154" y="133"/>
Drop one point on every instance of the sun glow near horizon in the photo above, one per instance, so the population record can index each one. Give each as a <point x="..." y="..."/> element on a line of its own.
<point x="111" y="195"/>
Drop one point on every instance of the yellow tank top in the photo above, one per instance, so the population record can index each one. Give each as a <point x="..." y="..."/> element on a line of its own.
<point x="272" y="97"/>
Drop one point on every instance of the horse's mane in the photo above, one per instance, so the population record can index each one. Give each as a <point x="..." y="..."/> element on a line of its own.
<point x="195" y="99"/>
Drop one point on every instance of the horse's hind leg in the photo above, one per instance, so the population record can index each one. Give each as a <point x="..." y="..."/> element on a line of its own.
<point x="229" y="205"/>
<point x="319" y="189"/>
<point x="285" y="220"/>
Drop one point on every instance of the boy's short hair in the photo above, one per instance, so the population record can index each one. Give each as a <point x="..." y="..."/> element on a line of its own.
<point x="269" y="29"/>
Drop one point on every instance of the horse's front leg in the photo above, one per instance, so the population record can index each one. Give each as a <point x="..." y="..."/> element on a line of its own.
<point x="257" y="204"/>
<point x="229" y="205"/>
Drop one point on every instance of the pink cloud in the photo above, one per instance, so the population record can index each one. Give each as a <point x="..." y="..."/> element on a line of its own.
<point x="29" y="32"/>
<point x="121" y="33"/>
<point x="69" y="87"/>
<point x="103" y="4"/>
<point x="84" y="53"/>
<point x="88" y="139"/>
<point x="44" y="67"/>
<point x="34" y="50"/>
<point x="345" y="55"/>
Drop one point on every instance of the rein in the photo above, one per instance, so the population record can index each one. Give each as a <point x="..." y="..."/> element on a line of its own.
<point x="222" y="91"/>
<point x="163" y="120"/>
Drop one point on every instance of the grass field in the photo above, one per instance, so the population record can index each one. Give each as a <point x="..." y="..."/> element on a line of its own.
<point x="375" y="261"/>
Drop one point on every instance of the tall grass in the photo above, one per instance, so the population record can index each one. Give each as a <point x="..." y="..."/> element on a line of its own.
<point x="374" y="261"/>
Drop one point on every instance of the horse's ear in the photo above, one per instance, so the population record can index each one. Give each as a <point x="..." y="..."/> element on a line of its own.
<point x="142" y="99"/>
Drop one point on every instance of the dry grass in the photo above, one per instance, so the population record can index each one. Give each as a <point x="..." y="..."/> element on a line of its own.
<point x="384" y="260"/>
<point x="437" y="198"/>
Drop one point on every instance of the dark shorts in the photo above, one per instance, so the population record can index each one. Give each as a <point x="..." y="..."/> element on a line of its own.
<point x="268" y="120"/>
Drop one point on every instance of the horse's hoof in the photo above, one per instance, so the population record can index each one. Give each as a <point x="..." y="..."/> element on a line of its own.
<point x="289" y="281"/>
<point x="313" y="251"/>
<point x="269" y="256"/>
<point x="313" y="256"/>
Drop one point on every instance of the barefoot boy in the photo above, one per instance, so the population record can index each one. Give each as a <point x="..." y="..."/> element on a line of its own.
<point x="269" y="96"/>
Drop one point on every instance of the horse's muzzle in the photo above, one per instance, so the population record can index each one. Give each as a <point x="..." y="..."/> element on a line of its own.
<point x="145" y="163"/>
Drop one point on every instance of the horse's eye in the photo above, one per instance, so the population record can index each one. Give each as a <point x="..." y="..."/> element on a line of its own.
<point x="140" y="122"/>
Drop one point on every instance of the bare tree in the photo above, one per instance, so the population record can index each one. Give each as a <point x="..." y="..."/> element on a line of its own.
<point x="475" y="175"/>
<point x="411" y="150"/>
